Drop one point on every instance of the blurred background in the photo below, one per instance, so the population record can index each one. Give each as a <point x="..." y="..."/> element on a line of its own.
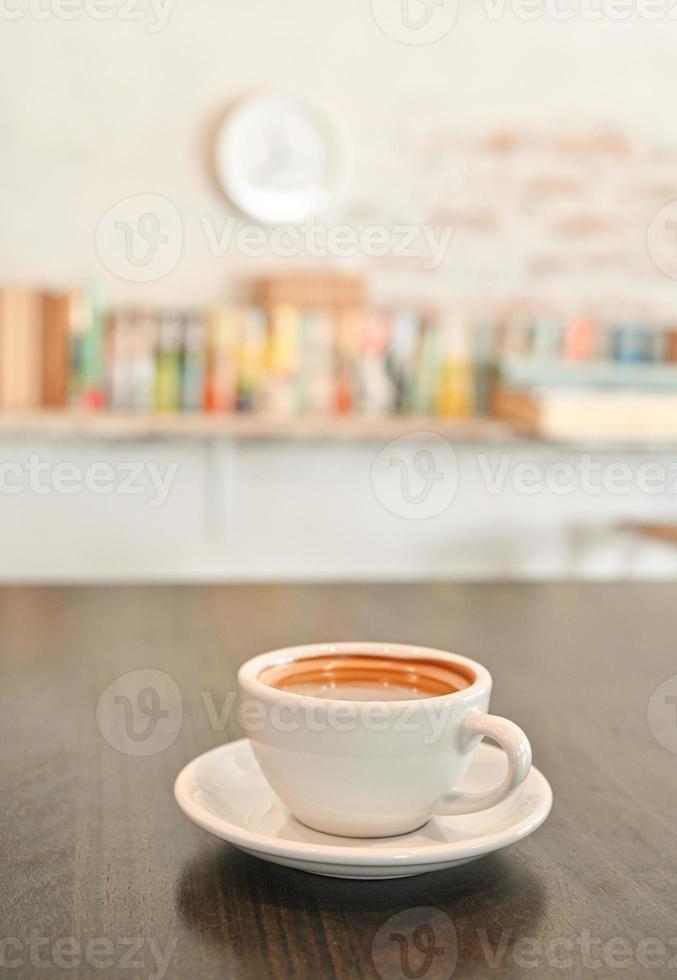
<point x="303" y="292"/>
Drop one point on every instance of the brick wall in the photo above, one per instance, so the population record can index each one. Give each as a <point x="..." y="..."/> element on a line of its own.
<point x="556" y="219"/>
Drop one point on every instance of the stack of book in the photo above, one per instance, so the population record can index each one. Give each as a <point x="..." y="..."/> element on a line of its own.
<point x="582" y="377"/>
<point x="67" y="351"/>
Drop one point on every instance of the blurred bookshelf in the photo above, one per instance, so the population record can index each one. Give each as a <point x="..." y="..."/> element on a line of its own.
<point x="328" y="428"/>
<point x="311" y="357"/>
<point x="255" y="426"/>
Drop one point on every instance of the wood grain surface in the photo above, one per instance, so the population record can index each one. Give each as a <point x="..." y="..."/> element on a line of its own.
<point x="102" y="876"/>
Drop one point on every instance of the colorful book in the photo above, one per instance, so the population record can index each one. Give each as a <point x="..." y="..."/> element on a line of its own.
<point x="93" y="351"/>
<point x="348" y="327"/>
<point x="316" y="351"/>
<point x="121" y="335"/>
<point x="56" y="314"/>
<point x="223" y="329"/>
<point x="377" y="392"/>
<point x="77" y="330"/>
<point x="401" y="355"/>
<point x="252" y="360"/>
<point x="671" y="345"/>
<point x="547" y="338"/>
<point x="20" y="349"/>
<point x="455" y="392"/>
<point x="145" y="341"/>
<point x="580" y="341"/>
<point x="631" y="344"/>
<point x="428" y="369"/>
<point x="485" y="366"/>
<point x="194" y="363"/>
<point x="283" y="360"/>
<point x="168" y="364"/>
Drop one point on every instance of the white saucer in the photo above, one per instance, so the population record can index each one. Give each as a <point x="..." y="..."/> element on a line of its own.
<point x="224" y="792"/>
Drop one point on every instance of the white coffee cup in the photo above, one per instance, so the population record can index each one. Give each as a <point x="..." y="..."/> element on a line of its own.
<point x="375" y="768"/>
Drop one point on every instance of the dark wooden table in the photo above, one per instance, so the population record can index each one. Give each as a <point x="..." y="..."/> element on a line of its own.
<point x="103" y="876"/>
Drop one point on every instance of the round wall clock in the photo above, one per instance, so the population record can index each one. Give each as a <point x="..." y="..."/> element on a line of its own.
<point x="280" y="159"/>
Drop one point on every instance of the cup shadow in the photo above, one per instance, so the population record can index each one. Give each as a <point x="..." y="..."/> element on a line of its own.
<point x="224" y="896"/>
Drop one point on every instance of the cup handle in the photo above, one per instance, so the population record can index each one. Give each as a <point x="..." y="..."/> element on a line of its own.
<point x="516" y="746"/>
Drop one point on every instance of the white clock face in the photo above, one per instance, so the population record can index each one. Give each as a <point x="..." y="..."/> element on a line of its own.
<point x="279" y="159"/>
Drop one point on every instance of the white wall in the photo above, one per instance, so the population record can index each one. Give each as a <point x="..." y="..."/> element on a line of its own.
<point x="277" y="510"/>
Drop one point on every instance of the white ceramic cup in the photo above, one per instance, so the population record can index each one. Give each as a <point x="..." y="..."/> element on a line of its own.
<point x="374" y="768"/>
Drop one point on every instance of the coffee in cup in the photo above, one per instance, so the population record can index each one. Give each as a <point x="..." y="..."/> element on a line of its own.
<point x="371" y="739"/>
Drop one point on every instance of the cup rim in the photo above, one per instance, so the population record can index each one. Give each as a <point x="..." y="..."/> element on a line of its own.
<point x="250" y="670"/>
